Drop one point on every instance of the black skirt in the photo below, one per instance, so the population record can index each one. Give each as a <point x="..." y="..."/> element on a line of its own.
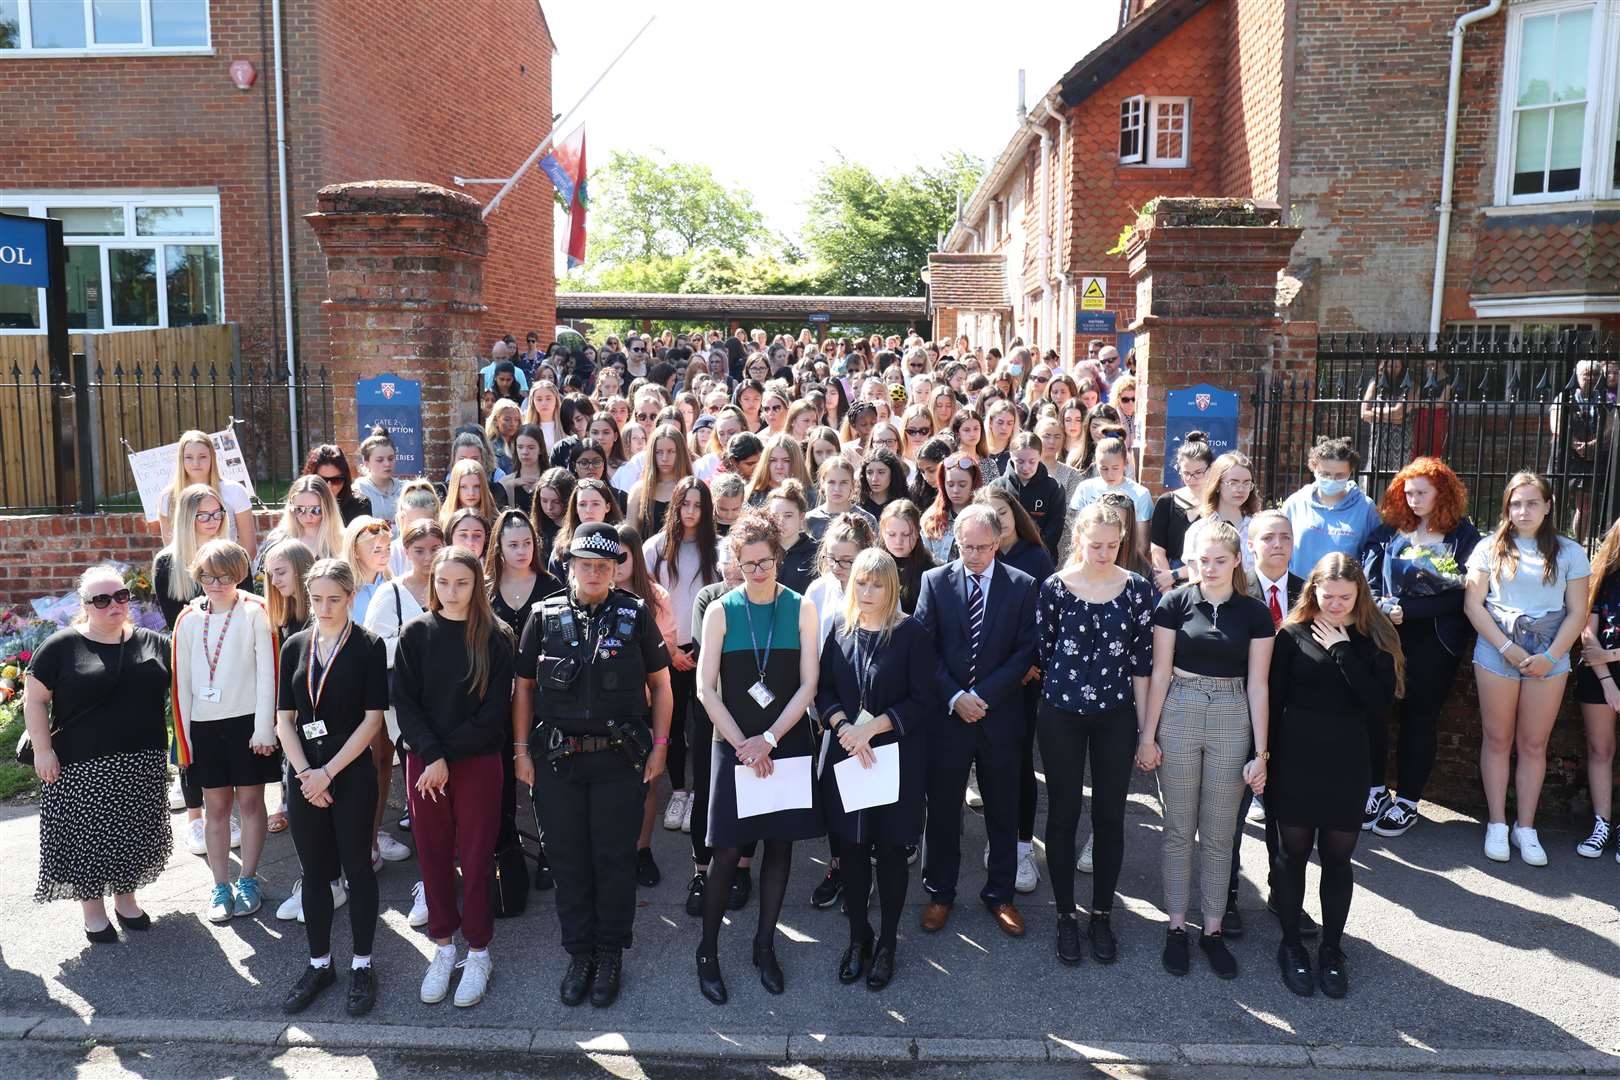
<point x="104" y="827"/>
<point x="1319" y="773"/>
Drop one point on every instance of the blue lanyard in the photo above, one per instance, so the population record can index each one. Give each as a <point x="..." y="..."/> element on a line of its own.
<point x="760" y="661"/>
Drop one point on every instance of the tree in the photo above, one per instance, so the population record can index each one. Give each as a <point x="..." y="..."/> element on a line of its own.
<point x="650" y="207"/>
<point x="874" y="235"/>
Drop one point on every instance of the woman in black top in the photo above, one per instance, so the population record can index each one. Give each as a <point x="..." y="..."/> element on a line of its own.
<point x="334" y="688"/>
<point x="883" y="480"/>
<point x="327" y="462"/>
<point x="512" y="568"/>
<point x="550" y="507"/>
<point x="1336" y="668"/>
<point x="93" y="704"/>
<point x="900" y="533"/>
<point x="877" y="689"/>
<point x="1175" y="511"/>
<point x="787" y="505"/>
<point x="1206" y="711"/>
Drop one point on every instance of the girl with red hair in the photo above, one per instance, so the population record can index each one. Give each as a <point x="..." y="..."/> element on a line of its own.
<point x="1414" y="564"/>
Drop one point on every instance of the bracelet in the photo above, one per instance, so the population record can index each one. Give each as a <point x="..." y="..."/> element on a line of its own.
<point x="520" y="746"/>
<point x="1263" y="755"/>
<point x="1605" y="678"/>
<point x="660" y="742"/>
<point x="1501" y="650"/>
<point x="1550" y="658"/>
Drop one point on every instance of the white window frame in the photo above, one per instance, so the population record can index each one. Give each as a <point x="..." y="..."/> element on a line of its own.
<point x="1515" y="328"/>
<point x="34" y="203"/>
<point x="144" y="47"/>
<point x="1133" y="116"/>
<point x="1598" y="177"/>
<point x="1140" y="114"/>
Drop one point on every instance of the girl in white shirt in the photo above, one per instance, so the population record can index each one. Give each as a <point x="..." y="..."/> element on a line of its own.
<point x="196" y="463"/>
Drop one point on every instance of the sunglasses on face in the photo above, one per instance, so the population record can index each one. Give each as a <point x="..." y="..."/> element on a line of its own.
<point x="918" y="432"/>
<point x="332" y="478"/>
<point x="772" y="409"/>
<point x="1128" y="400"/>
<point x="309" y="511"/>
<point x="103" y="601"/>
<point x="646" y="418"/>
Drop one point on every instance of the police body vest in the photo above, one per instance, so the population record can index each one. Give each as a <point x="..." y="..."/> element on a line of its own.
<point x="612" y="683"/>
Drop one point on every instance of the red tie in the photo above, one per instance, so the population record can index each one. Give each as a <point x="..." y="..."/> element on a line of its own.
<point x="1276" y="610"/>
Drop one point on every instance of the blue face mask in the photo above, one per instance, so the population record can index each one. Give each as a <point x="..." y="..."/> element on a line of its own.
<point x="1015" y="370"/>
<point x="1330" y="488"/>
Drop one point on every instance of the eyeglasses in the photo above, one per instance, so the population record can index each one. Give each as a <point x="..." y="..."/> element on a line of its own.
<point x="103" y="601"/>
<point x="1230" y="481"/>
<point x="206" y="579"/>
<point x="210" y="515"/>
<point x="960" y="461"/>
<point x="309" y="511"/>
<point x="844" y="563"/>
<point x="758" y="566"/>
<point x="1192" y="476"/>
<point x="918" y="432"/>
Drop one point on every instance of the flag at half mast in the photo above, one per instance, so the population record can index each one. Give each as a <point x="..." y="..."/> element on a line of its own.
<point x="564" y="163"/>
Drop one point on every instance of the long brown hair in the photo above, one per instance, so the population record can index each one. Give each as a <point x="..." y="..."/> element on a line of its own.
<point x="641" y="582"/>
<point x="482" y="625"/>
<point x="284" y="611"/>
<point x="703" y="536"/>
<point x="647" y="486"/>
<point x="1024" y="526"/>
<point x="494" y="565"/>
<point x="1505" y="553"/>
<point x="1605" y="561"/>
<point x="1368" y="620"/>
<point x="1128" y="556"/>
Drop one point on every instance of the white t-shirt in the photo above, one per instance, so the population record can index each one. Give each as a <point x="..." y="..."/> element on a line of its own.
<point x="625" y="476"/>
<point x="232" y="496"/>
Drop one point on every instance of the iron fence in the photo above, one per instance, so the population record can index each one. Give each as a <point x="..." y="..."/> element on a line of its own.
<point x="1488" y="408"/>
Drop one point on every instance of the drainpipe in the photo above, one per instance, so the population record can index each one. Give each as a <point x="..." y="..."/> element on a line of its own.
<point x="1062" y="199"/>
<point x="286" y="235"/>
<point x="1449" y="169"/>
<point x="1046" y="226"/>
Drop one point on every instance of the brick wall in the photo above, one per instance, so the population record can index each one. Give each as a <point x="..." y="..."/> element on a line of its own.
<point x="1254" y="98"/>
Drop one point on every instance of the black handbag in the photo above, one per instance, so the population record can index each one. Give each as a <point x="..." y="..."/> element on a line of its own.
<point x="511" y="881"/>
<point x="25" y="745"/>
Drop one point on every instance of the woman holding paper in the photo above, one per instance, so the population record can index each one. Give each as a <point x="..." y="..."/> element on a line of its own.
<point x="757" y="672"/>
<point x="877" y="688"/>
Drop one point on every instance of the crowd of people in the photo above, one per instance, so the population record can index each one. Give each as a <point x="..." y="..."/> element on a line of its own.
<point x="762" y="567"/>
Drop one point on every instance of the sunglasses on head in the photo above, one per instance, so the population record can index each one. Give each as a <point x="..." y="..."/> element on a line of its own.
<point x="373" y="529"/>
<point x="103" y="601"/>
<point x="960" y="461"/>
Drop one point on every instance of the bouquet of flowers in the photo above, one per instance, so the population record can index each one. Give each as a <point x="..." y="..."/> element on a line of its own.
<point x="20" y="635"/>
<point x="1427" y="570"/>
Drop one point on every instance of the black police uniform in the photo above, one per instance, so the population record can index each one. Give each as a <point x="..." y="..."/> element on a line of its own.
<point x="589" y="746"/>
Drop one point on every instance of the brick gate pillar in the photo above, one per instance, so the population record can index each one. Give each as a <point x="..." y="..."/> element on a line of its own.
<point x="404" y="294"/>
<point x="1205" y="272"/>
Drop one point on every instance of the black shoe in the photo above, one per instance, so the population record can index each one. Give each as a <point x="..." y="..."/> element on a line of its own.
<point x="1176" y="960"/>
<point x="770" y="972"/>
<point x="1104" y="946"/>
<point x="709" y="980"/>
<point x="308" y="988"/>
<point x="1330" y="971"/>
<point x="1068" y="938"/>
<point x="1307" y="925"/>
<point x="576" y="981"/>
<point x="742" y="887"/>
<point x="1221" y="960"/>
<point x="694" y="894"/>
<point x="1295" y="964"/>
<point x="542" y="874"/>
<point x="105" y="936"/>
<point x="856" y="959"/>
<point x="362" y="990"/>
<point x="143" y="921"/>
<point x="1232" y="921"/>
<point x="829" y="890"/>
<point x="647" y="875"/>
<point x="882" y="969"/>
<point x="605" y="987"/>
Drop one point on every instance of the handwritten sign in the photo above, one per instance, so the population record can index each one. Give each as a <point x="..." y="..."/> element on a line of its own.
<point x="154" y="469"/>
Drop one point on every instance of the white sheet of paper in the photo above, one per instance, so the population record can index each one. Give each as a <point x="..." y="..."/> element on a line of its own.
<point x="787" y="788"/>
<point x="861" y="788"/>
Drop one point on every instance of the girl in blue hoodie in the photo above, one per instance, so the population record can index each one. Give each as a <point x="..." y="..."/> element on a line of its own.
<point x="1331" y="513"/>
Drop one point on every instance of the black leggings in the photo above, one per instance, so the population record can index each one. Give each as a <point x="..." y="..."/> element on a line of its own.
<point x="1431" y="670"/>
<point x="332" y="838"/>
<point x="683" y="687"/>
<point x="1065" y="739"/>
<point x="1335" y="846"/>
<point x="892" y="877"/>
<point x="701" y="732"/>
<point x="773" y="880"/>
<point x="1027" y="794"/>
<point x="191" y="790"/>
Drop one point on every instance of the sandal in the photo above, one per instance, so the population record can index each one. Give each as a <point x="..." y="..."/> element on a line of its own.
<point x="278" y="821"/>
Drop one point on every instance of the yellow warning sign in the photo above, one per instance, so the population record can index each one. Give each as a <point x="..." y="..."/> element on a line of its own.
<point x="1093" y="294"/>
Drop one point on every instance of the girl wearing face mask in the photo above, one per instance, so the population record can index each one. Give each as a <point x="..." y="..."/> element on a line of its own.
<point x="1332" y="513"/>
<point x="1336" y="667"/>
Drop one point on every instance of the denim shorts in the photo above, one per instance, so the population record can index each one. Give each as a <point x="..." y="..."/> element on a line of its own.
<point x="1492" y="661"/>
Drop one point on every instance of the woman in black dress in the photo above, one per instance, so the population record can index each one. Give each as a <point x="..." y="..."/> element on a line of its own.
<point x="512" y="567"/>
<point x="757" y="672"/>
<point x="1337" y="667"/>
<point x="877" y="689"/>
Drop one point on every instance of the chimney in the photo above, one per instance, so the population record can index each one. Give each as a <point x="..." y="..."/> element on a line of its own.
<point x="1022" y="110"/>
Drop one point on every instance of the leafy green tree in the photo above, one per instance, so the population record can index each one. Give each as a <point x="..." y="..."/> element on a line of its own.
<point x="647" y="206"/>
<point x="874" y="234"/>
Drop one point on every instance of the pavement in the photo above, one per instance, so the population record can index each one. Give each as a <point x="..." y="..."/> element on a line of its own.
<point x="1457" y="965"/>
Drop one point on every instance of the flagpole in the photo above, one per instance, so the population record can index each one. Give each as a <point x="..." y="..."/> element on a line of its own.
<point x="528" y="164"/>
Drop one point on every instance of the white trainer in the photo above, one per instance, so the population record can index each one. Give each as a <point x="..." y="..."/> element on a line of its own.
<point x="1496" y="841"/>
<point x="1029" y="875"/>
<point x="390" y="849"/>
<point x="686" y="818"/>
<point x="177" y="794"/>
<point x="293" y="907"/>
<point x="975" y="801"/>
<point x="675" y="812"/>
<point x="475" y="973"/>
<point x="1529" y="845"/>
<point x="419" y="912"/>
<point x="196" y="837"/>
<point x="340" y="896"/>
<point x="236" y="832"/>
<point x="1084" y="863"/>
<point x="436" y="983"/>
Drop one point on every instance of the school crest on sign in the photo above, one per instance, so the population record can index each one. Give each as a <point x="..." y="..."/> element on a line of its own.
<point x="1202" y="400"/>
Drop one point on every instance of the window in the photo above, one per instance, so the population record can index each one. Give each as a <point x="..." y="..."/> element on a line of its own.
<point x="1483" y="336"/>
<point x="1559" y="138"/>
<point x="1154" y="131"/>
<point x="98" y="26"/>
<point x="133" y="261"/>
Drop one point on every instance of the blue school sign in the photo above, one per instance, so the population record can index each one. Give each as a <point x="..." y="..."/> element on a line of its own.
<point x="395" y="404"/>
<point x="1198" y="408"/>
<point x="23" y="255"/>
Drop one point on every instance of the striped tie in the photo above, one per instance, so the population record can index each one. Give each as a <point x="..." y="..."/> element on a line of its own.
<point x="975" y="626"/>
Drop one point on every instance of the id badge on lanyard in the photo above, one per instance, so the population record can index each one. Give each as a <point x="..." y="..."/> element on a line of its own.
<point x="762" y="695"/>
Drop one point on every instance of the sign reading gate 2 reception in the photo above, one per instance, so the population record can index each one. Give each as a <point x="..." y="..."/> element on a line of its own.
<point x="396" y="405"/>
<point x="1198" y="408"/>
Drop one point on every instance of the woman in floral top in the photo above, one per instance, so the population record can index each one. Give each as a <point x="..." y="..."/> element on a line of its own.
<point x="1414" y="566"/>
<point x="1095" y="646"/>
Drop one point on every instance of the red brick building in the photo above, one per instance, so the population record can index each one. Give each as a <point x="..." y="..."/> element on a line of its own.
<point x="1336" y="112"/>
<point x="127" y="121"/>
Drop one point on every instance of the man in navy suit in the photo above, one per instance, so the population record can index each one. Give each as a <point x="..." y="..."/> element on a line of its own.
<point x="981" y="614"/>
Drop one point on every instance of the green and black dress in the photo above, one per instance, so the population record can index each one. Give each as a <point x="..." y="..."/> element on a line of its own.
<point x="776" y="623"/>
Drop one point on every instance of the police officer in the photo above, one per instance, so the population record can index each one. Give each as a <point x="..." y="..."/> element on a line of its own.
<point x="597" y="658"/>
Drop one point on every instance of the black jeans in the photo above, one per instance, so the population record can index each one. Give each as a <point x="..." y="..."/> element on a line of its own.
<point x="1431" y="670"/>
<point x="337" y="838"/>
<point x="1027" y="791"/>
<point x="1066" y="738"/>
<point x="701" y="733"/>
<point x="683" y="688"/>
<point x="589" y="809"/>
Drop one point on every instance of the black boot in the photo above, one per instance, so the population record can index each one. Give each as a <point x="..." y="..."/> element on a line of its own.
<point x="1068" y="938"/>
<point x="1295" y="964"/>
<point x="709" y="980"/>
<point x="605" y="987"/>
<point x="770" y="972"/>
<point x="1104" y="946"/>
<point x="576" y="981"/>
<point x="856" y="958"/>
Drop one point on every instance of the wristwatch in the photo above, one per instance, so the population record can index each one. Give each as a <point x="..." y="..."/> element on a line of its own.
<point x="770" y="738"/>
<point x="1264" y="755"/>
